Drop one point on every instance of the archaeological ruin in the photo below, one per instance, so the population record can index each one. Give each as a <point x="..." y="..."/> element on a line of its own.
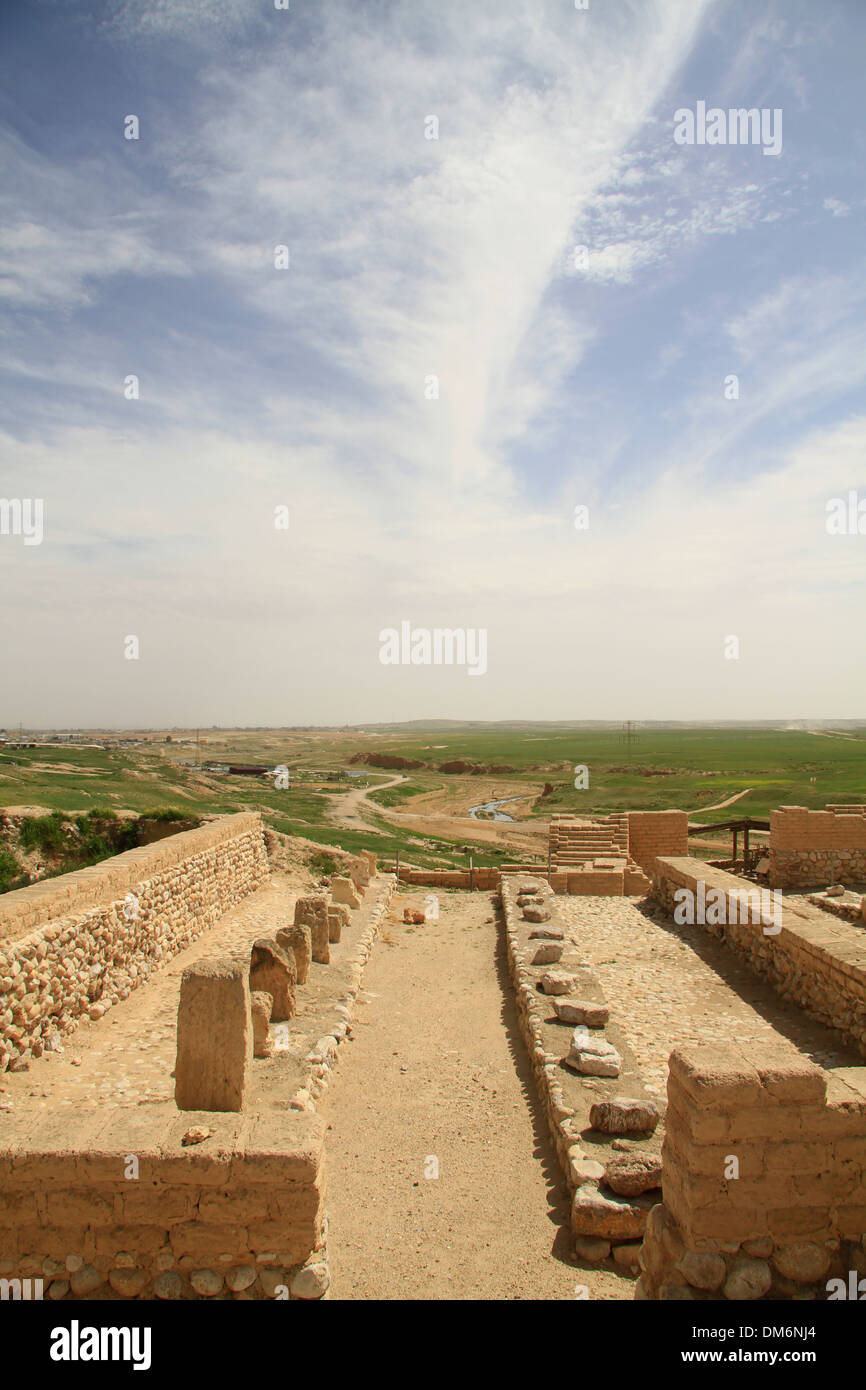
<point x="170" y="1020"/>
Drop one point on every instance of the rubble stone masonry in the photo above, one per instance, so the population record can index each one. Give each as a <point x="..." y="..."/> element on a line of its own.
<point x="112" y="1200"/>
<point x="764" y="1178"/>
<point x="813" y="848"/>
<point x="72" y="946"/>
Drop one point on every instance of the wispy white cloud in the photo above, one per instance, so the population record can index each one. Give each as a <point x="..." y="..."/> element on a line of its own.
<point x="413" y="258"/>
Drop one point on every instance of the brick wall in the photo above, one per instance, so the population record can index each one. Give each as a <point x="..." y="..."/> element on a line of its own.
<point x="243" y="1208"/>
<point x="73" y="946"/>
<point x="812" y="848"/>
<point x="595" y="883"/>
<point x="817" y="961"/>
<point x="764" y="1176"/>
<point x="451" y="878"/>
<point x="651" y="833"/>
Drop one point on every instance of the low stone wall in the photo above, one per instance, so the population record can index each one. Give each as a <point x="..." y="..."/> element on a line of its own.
<point x="594" y="883"/>
<point x="819" y="964"/>
<point x="98" y="1201"/>
<point x="96" y="943"/>
<point x="851" y="907"/>
<point x="481" y="878"/>
<point x="325" y="1054"/>
<point x="809" y="849"/>
<point x="604" y="1222"/>
<point x="764" y="1179"/>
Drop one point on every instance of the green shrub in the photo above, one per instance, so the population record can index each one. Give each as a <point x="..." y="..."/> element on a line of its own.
<point x="324" y="864"/>
<point x="11" y="875"/>
<point x="44" y="833"/>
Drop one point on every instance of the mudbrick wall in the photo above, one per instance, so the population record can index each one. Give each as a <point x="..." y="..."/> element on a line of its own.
<point x="74" y="945"/>
<point x="764" y="1179"/>
<point x="481" y="878"/>
<point x="819" y="963"/>
<point x="113" y="1200"/>
<point x="651" y="833"/>
<point x="812" y="848"/>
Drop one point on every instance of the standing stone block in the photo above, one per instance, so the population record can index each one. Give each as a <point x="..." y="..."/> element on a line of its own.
<point x="262" y="1004"/>
<point x="272" y="971"/>
<point x="338" y="918"/>
<point x="214" y="1037"/>
<point x="313" y="912"/>
<point x="343" y="891"/>
<point x="296" y="941"/>
<point x="319" y="940"/>
<point x="369" y="859"/>
<point x="359" y="874"/>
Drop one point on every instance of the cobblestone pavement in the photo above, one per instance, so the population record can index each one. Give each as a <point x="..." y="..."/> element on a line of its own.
<point x="128" y="1056"/>
<point x="671" y="986"/>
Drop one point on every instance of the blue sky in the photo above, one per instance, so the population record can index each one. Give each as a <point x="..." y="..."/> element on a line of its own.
<point x="600" y="384"/>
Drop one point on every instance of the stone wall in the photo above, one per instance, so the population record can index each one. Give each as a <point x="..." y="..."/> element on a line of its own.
<point x="74" y="945"/>
<point x="95" y="1201"/>
<point x="764" y="1178"/>
<point x="813" y="848"/>
<point x="481" y="878"/>
<point x="818" y="962"/>
<point x="599" y="1118"/>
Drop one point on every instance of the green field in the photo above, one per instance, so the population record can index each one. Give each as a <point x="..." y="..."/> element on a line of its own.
<point x="698" y="767"/>
<point x="694" y="768"/>
<point x="75" y="780"/>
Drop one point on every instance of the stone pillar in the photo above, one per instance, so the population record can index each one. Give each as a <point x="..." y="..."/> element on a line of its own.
<point x="214" y="1037"/>
<point x="262" y="1004"/>
<point x="343" y="891"/>
<point x="313" y="912"/>
<point x="273" y="971"/>
<point x="297" y="940"/>
<point x="338" y="918"/>
<point x="359" y="873"/>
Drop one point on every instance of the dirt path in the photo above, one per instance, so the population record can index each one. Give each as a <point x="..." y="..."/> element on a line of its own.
<point x="720" y="805"/>
<point x="436" y="1070"/>
<point x="348" y="810"/>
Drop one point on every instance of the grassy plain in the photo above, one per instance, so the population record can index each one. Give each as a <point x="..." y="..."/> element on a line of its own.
<point x="691" y="769"/>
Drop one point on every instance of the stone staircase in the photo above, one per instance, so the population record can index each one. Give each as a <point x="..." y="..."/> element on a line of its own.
<point x="578" y="843"/>
<point x="594" y="854"/>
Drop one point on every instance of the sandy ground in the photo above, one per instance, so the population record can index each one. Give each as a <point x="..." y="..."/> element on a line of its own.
<point x="436" y="1069"/>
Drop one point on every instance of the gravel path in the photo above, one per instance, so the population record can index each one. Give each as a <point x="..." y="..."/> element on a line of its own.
<point x="671" y="986"/>
<point x="436" y="1070"/>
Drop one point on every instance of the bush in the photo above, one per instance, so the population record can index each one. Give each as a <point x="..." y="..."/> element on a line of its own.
<point x="43" y="832"/>
<point x="324" y="864"/>
<point x="10" y="871"/>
